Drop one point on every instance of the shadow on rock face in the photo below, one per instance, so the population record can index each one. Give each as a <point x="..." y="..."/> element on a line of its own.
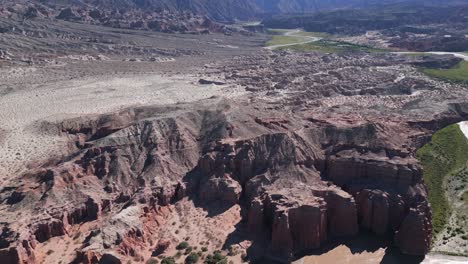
<point x="366" y="246"/>
<point x="393" y="256"/>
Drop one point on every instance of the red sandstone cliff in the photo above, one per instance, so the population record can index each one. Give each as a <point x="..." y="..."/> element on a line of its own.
<point x="300" y="185"/>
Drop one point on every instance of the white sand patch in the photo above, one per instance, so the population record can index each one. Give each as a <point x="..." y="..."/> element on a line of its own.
<point x="464" y="128"/>
<point x="55" y="101"/>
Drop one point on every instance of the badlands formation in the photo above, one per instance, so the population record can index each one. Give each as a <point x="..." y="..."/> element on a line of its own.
<point x="120" y="148"/>
<point x="273" y="167"/>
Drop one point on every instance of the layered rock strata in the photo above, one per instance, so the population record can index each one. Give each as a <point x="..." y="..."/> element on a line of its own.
<point x="302" y="178"/>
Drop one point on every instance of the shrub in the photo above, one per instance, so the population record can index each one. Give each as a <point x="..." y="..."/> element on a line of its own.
<point x="182" y="245"/>
<point x="204" y="249"/>
<point x="232" y="251"/>
<point x="192" y="258"/>
<point x="188" y="250"/>
<point x="168" y="260"/>
<point x="216" y="258"/>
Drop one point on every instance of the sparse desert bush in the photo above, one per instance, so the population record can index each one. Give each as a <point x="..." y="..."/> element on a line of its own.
<point x="188" y="250"/>
<point x="192" y="258"/>
<point x="168" y="260"/>
<point x="182" y="245"/>
<point x="216" y="258"/>
<point x="232" y="251"/>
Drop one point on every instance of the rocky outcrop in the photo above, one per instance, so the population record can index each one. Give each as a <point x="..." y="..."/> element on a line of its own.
<point x="221" y="189"/>
<point x="342" y="213"/>
<point x="48" y="229"/>
<point x="302" y="219"/>
<point x="430" y="43"/>
<point x="301" y="182"/>
<point x="17" y="247"/>
<point x="414" y="234"/>
<point x="438" y="62"/>
<point x="298" y="228"/>
<point x="347" y="167"/>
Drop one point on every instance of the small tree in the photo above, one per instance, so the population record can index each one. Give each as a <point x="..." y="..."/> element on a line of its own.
<point x="168" y="260"/>
<point x="192" y="258"/>
<point x="182" y="245"/>
<point x="216" y="258"/>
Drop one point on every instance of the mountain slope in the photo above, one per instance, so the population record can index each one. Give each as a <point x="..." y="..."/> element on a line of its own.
<point x="228" y="10"/>
<point x="308" y="6"/>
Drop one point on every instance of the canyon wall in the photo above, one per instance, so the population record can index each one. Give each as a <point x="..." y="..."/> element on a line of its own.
<point x="301" y="182"/>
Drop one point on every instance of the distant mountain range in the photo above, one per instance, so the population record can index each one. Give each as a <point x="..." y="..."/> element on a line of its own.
<point x="311" y="6"/>
<point x="229" y="10"/>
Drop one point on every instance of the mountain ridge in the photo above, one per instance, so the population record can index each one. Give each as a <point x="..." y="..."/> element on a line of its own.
<point x="227" y="10"/>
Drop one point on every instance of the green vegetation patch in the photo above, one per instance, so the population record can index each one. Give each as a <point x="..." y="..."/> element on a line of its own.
<point x="216" y="258"/>
<point x="313" y="34"/>
<point x="283" y="40"/>
<point x="330" y="46"/>
<point x="444" y="155"/>
<point x="182" y="245"/>
<point x="192" y="258"/>
<point x="459" y="73"/>
<point x="168" y="260"/>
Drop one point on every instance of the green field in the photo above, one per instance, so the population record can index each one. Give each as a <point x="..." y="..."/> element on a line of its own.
<point x="445" y="155"/>
<point x="313" y="34"/>
<point x="459" y="73"/>
<point x="325" y="44"/>
<point x="330" y="46"/>
<point x="282" y="40"/>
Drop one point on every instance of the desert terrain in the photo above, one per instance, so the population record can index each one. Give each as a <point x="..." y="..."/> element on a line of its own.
<point x="213" y="143"/>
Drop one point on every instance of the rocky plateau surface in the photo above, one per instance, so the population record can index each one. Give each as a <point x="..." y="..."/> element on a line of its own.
<point x="318" y="151"/>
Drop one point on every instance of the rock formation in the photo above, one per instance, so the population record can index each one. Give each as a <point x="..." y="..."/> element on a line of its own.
<point x="302" y="182"/>
<point x="321" y="146"/>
